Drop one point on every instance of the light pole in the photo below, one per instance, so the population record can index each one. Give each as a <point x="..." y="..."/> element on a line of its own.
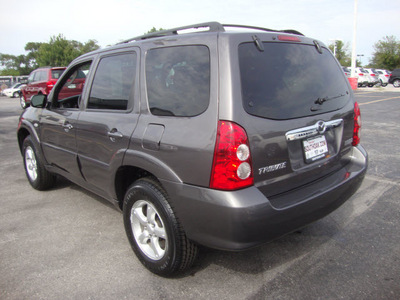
<point x="334" y="45"/>
<point x="359" y="55"/>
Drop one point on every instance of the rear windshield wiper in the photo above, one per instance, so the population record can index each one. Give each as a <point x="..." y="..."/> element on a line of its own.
<point x="321" y="101"/>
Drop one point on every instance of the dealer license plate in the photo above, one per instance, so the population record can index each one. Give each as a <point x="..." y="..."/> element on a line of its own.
<point x="315" y="148"/>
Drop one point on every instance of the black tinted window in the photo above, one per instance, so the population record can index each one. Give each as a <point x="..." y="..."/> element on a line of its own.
<point x="56" y="74"/>
<point x="178" y="80"/>
<point x="113" y="82"/>
<point x="286" y="80"/>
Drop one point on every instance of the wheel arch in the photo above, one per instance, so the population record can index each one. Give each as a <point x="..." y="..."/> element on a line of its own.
<point x="25" y="130"/>
<point x="138" y="165"/>
<point x="124" y="177"/>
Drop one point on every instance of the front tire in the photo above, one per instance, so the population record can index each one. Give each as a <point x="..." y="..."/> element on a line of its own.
<point x="153" y="230"/>
<point x="38" y="176"/>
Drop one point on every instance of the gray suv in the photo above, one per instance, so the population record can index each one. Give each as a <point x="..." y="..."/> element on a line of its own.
<point x="221" y="138"/>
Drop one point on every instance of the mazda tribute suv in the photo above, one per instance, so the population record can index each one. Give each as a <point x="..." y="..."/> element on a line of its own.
<point x="225" y="136"/>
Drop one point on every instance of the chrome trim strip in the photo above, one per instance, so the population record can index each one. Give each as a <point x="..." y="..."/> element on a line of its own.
<point x="318" y="128"/>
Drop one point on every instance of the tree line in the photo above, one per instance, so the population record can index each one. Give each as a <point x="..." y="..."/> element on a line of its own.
<point x="60" y="52"/>
<point x="386" y="54"/>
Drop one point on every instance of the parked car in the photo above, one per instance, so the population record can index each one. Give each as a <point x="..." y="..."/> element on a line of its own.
<point x="383" y="76"/>
<point x="346" y="71"/>
<point x="214" y="138"/>
<point x="362" y="78"/>
<point x="374" y="77"/>
<point x="40" y="81"/>
<point x="395" y="78"/>
<point x="14" y="91"/>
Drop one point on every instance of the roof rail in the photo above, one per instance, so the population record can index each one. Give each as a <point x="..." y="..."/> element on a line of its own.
<point x="291" y="31"/>
<point x="213" y="27"/>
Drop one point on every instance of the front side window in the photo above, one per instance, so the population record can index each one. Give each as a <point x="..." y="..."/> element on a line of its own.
<point x="31" y="77"/>
<point x="68" y="92"/>
<point x="178" y="80"/>
<point x="113" y="82"/>
<point x="288" y="81"/>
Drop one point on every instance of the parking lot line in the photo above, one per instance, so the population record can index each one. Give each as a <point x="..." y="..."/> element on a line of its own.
<point x="379" y="100"/>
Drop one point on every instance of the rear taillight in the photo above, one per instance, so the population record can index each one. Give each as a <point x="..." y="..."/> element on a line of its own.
<point x="372" y="74"/>
<point x="361" y="74"/>
<point x="231" y="168"/>
<point x="49" y="85"/>
<point x="357" y="125"/>
<point x="386" y="75"/>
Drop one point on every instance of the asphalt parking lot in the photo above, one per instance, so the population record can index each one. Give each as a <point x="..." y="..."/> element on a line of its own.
<point x="67" y="243"/>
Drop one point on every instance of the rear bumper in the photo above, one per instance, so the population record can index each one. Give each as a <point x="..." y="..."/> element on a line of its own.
<point x="246" y="218"/>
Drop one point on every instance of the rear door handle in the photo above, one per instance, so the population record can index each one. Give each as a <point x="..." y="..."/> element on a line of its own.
<point x="114" y="134"/>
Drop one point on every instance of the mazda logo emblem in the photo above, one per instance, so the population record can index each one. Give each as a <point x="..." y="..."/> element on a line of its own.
<point x="321" y="127"/>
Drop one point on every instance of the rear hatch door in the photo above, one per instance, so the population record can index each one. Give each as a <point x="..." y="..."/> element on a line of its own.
<point x="299" y="109"/>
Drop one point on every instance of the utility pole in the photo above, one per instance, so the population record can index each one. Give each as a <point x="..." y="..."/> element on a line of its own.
<point x="353" y="52"/>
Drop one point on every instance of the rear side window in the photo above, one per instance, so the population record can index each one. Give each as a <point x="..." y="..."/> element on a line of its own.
<point x="290" y="81"/>
<point x="56" y="74"/>
<point x="178" y="80"/>
<point x="113" y="82"/>
<point x="41" y="75"/>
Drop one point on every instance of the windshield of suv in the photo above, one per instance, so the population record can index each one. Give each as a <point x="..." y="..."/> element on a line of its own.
<point x="288" y="81"/>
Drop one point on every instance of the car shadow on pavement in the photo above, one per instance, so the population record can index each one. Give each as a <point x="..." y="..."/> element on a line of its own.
<point x="274" y="256"/>
<point x="63" y="183"/>
<point x="285" y="252"/>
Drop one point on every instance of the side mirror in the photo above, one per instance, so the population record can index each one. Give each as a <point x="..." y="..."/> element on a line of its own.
<point x="39" y="101"/>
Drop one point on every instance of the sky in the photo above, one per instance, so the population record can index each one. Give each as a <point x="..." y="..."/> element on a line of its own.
<point x="109" y="22"/>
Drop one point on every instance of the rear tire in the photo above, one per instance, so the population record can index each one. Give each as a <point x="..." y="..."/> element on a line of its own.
<point x="396" y="83"/>
<point x="39" y="178"/>
<point x="22" y="102"/>
<point x="153" y="230"/>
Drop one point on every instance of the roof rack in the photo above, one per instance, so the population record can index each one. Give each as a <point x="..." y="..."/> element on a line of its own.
<point x="291" y="31"/>
<point x="212" y="27"/>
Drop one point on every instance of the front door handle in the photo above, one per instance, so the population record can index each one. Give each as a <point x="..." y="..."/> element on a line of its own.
<point x="67" y="126"/>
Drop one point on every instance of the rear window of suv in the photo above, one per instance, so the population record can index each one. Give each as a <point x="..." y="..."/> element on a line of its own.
<point x="288" y="81"/>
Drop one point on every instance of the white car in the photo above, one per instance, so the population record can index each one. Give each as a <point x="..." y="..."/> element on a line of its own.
<point x="363" y="79"/>
<point x="383" y="76"/>
<point x="13" y="91"/>
<point x="374" y="77"/>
